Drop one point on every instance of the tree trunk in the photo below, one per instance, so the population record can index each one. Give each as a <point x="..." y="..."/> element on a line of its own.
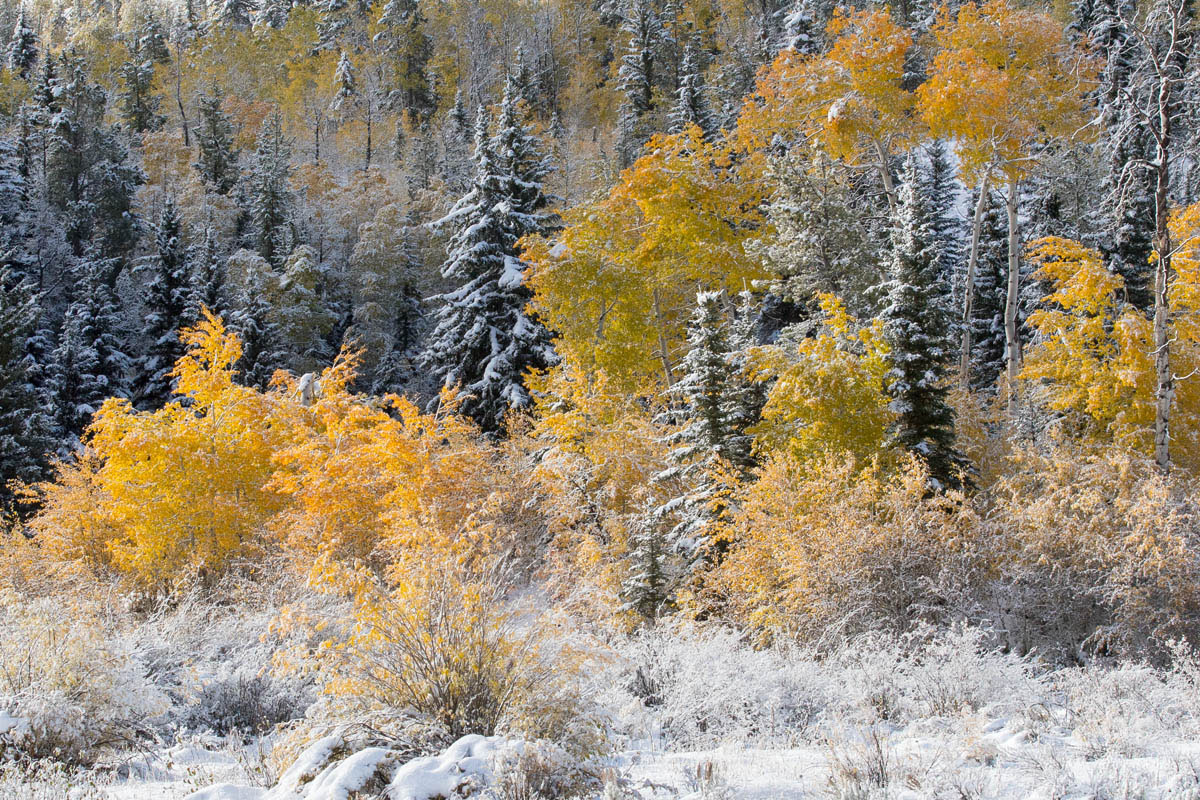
<point x="662" y="342"/>
<point x="1012" y="302"/>
<point x="889" y="187"/>
<point x="1164" y="381"/>
<point x="964" y="364"/>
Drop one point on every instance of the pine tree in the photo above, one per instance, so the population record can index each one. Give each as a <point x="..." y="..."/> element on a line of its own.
<point x="691" y="106"/>
<point x="89" y="364"/>
<point x="711" y="439"/>
<point x="237" y="14"/>
<point x="402" y="30"/>
<point x="917" y="328"/>
<point x="649" y="588"/>
<point x="217" y="159"/>
<point x="642" y="24"/>
<point x="138" y="102"/>
<point x="23" y="48"/>
<point x="23" y="426"/>
<point x="262" y="342"/>
<point x="269" y="192"/>
<point x="987" y="309"/>
<point x="207" y="280"/>
<point x="168" y="291"/>
<point x="483" y="340"/>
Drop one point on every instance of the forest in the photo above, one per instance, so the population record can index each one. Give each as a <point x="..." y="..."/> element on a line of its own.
<point x="600" y="399"/>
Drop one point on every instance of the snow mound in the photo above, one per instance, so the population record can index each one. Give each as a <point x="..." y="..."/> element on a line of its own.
<point x="461" y="771"/>
<point x="327" y="770"/>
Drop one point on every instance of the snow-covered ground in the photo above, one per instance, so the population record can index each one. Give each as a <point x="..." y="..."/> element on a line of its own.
<point x="974" y="756"/>
<point x="704" y="716"/>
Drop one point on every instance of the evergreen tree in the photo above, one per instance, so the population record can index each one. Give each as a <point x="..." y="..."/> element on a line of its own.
<point x="89" y="364"/>
<point x="138" y="102"/>
<point x="941" y="190"/>
<point x="402" y="30"/>
<point x="217" y="159"/>
<point x="23" y="426"/>
<point x="1128" y="191"/>
<point x="303" y="318"/>
<point x="207" y="280"/>
<point x="711" y="439"/>
<point x="88" y="175"/>
<point x="275" y="13"/>
<point x="483" y="340"/>
<point x="917" y="328"/>
<point x="269" y="192"/>
<point x="237" y="14"/>
<point x="649" y="588"/>
<point x="23" y="48"/>
<point x="456" y="149"/>
<point x="691" y="106"/>
<point x="636" y="74"/>
<point x="262" y="342"/>
<point x="987" y="309"/>
<point x="168" y="292"/>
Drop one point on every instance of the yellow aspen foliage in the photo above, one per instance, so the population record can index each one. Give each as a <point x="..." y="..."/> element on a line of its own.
<point x="1004" y="79"/>
<point x="836" y="544"/>
<point x="178" y="493"/>
<point x="1109" y="541"/>
<point x="619" y="282"/>
<point x="829" y="393"/>
<point x="1093" y="355"/>
<point x="595" y="476"/>
<point x="851" y="100"/>
<point x="371" y="477"/>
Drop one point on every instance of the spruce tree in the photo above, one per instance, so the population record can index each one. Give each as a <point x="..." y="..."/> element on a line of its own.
<point x="262" y="342"/>
<point x="643" y="25"/>
<point x="402" y="31"/>
<point x="712" y="438"/>
<point x="987" y="308"/>
<point x="917" y="327"/>
<point x="941" y="190"/>
<point x="275" y="13"/>
<point x="483" y="340"/>
<point x="691" y="105"/>
<point x="89" y="178"/>
<point x="269" y="192"/>
<point x="23" y="48"/>
<point x="168" y="292"/>
<point x="237" y="14"/>
<point x="24" y="439"/>
<point x="89" y="364"/>
<point x="216" y="157"/>
<point x="207" y="280"/>
<point x="456" y="146"/>
<point x="138" y="102"/>
<point x="649" y="588"/>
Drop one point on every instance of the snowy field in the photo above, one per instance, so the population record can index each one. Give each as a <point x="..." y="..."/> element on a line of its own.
<point x="699" y="715"/>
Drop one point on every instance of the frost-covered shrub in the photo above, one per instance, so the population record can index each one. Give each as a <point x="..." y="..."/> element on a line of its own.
<point x="245" y="703"/>
<point x="535" y="770"/>
<point x="693" y="687"/>
<point x="68" y="688"/>
<point x="214" y="662"/>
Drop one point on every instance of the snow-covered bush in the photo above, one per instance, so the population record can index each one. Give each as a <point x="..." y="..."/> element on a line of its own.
<point x="693" y="687"/>
<point x="68" y="688"/>
<point x="214" y="662"/>
<point x="534" y="770"/>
